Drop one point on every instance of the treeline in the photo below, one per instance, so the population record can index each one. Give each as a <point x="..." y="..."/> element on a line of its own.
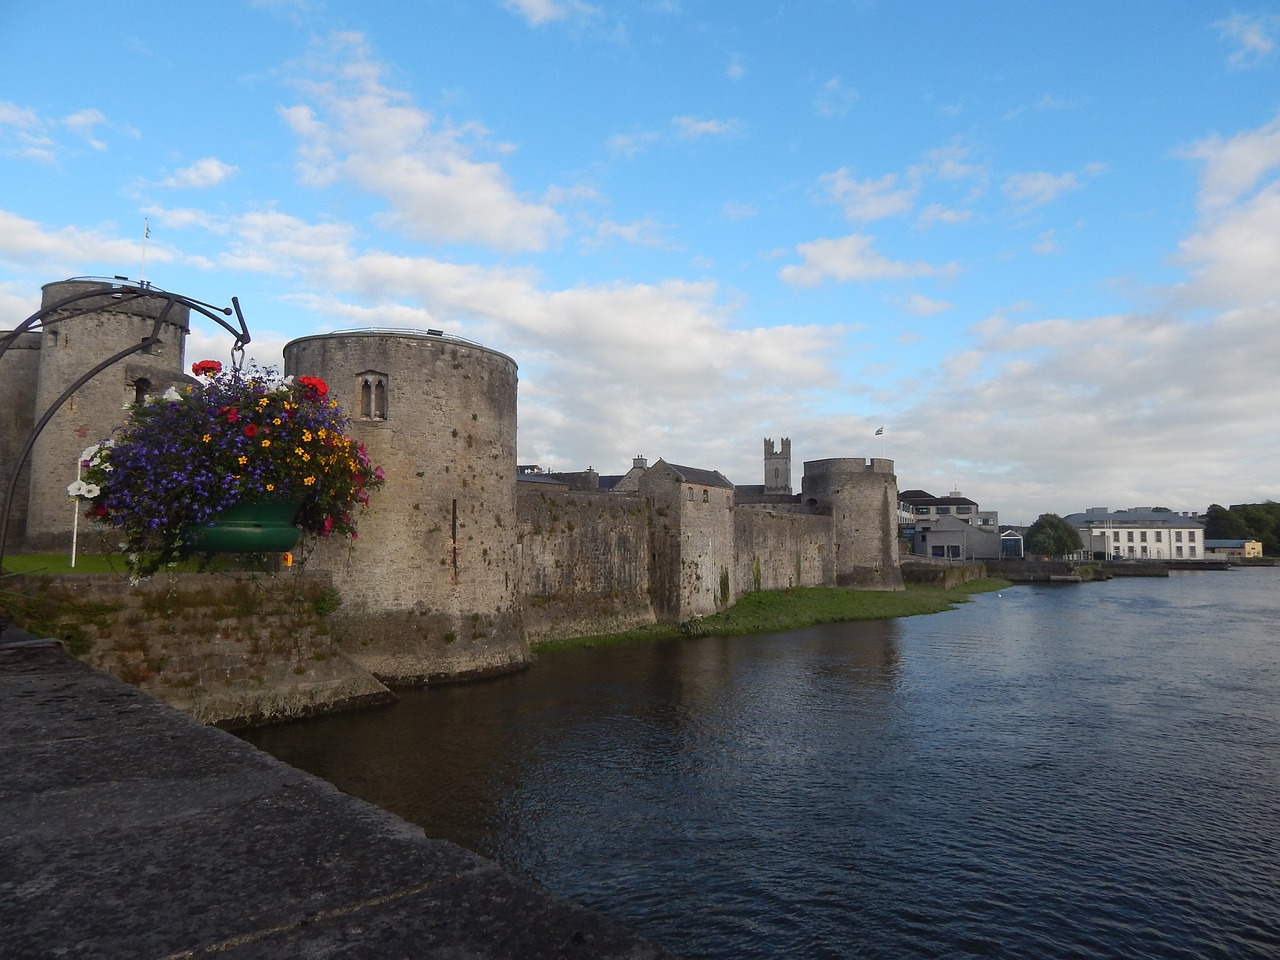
<point x="1245" y="521"/>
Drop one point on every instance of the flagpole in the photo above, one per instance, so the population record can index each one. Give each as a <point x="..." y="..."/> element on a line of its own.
<point x="146" y="233"/>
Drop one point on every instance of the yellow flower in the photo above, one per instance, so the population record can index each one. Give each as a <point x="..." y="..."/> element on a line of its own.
<point x="276" y="421"/>
<point x="270" y="487"/>
<point x="299" y="451"/>
<point x="309" y="481"/>
<point x="264" y="402"/>
<point x="306" y="436"/>
<point x="266" y="443"/>
<point x="243" y="461"/>
<point x="207" y="437"/>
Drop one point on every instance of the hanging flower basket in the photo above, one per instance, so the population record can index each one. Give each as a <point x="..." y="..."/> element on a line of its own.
<point x="193" y="470"/>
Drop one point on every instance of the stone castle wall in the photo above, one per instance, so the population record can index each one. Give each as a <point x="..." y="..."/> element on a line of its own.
<point x="19" y="378"/>
<point x="777" y="550"/>
<point x="584" y="563"/>
<point x="861" y="497"/>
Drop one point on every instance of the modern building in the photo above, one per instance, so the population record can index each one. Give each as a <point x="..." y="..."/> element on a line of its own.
<point x="951" y="538"/>
<point x="1140" y="533"/>
<point x="1234" y="549"/>
<point x="921" y="513"/>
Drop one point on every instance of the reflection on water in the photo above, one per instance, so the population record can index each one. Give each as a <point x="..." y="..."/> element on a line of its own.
<point x="1089" y="770"/>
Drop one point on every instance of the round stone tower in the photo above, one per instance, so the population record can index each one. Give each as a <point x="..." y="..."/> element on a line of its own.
<point x="429" y="588"/>
<point x="862" y="498"/>
<point x="72" y="342"/>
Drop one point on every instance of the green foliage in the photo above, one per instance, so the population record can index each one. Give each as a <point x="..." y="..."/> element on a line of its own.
<point x="1052" y="536"/>
<point x="1247" y="521"/>
<point x="327" y="601"/>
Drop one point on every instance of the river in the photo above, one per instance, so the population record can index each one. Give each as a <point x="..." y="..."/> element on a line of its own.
<point x="1086" y="770"/>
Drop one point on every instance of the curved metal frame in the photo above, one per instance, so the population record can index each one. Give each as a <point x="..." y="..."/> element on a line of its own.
<point x="127" y="292"/>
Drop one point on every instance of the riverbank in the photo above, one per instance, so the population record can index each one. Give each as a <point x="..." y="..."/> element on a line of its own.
<point x="771" y="611"/>
<point x="131" y="830"/>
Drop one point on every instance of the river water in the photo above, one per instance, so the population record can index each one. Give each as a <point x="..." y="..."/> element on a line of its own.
<point x="1085" y="770"/>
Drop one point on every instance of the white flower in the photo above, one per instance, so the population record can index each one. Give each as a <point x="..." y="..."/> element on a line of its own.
<point x="76" y="488"/>
<point x="91" y="490"/>
<point x="89" y="453"/>
<point x="171" y="394"/>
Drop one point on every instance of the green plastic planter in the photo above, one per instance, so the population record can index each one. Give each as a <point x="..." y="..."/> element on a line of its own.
<point x="264" y="526"/>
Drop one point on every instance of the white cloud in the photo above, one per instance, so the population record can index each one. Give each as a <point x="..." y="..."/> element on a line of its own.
<point x="1253" y="36"/>
<point x="923" y="306"/>
<point x="737" y="68"/>
<point x="937" y="213"/>
<point x="1046" y="243"/>
<point x="1233" y="167"/>
<point x="695" y="128"/>
<point x="641" y="233"/>
<point x="538" y="12"/>
<point x="208" y="172"/>
<point x="32" y="247"/>
<point x="629" y="144"/>
<point x="363" y="132"/>
<point x="866" y="200"/>
<point x="734" y="210"/>
<point x="851" y="258"/>
<point x="1038" y="188"/>
<point x="36" y="138"/>
<point x="834" y="99"/>
<point x="83" y="122"/>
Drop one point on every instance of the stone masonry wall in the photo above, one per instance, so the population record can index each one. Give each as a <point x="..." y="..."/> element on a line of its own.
<point x="778" y="550"/>
<point x="430" y="587"/>
<point x="230" y="650"/>
<point x="19" y="376"/>
<point x="584" y="566"/>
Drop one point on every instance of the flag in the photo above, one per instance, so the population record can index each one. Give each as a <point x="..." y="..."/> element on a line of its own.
<point x="146" y="230"/>
<point x="880" y="431"/>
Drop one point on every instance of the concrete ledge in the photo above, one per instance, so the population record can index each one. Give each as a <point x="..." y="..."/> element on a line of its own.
<point x="131" y="830"/>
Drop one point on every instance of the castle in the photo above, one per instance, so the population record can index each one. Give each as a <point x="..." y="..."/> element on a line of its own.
<point x="464" y="559"/>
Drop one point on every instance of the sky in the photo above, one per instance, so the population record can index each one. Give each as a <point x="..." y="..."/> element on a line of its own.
<point x="1037" y="244"/>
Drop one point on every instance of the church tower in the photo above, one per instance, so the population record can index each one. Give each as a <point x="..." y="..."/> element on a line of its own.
<point x="777" y="468"/>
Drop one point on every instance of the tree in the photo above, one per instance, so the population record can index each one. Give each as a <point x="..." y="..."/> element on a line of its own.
<point x="1052" y="536"/>
<point x="1223" y="524"/>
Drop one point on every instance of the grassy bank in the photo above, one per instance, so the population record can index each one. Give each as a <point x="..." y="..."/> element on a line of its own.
<point x="58" y="564"/>
<point x="773" y="611"/>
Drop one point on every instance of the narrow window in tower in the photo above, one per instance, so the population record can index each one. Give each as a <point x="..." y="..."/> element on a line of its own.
<point x="380" y="399"/>
<point x="366" y="399"/>
<point x="141" y="388"/>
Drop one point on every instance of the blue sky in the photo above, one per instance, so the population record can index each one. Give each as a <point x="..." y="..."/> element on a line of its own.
<point x="1038" y="243"/>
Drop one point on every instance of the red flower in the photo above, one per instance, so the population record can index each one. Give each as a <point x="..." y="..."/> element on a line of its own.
<point x="251" y="430"/>
<point x="315" y="387"/>
<point x="231" y="413"/>
<point x="206" y="368"/>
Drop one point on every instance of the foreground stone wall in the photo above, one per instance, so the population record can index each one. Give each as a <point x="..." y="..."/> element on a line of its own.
<point x="230" y="650"/>
<point x="584" y="564"/>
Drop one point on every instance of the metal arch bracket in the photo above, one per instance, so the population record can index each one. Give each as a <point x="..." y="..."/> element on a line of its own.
<point x="125" y="291"/>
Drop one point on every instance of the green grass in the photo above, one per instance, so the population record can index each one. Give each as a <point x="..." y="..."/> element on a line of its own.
<point x="60" y="563"/>
<point x="56" y="563"/>
<point x="774" y="611"/>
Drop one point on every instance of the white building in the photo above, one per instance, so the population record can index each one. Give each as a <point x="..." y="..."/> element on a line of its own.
<point x="1140" y="533"/>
